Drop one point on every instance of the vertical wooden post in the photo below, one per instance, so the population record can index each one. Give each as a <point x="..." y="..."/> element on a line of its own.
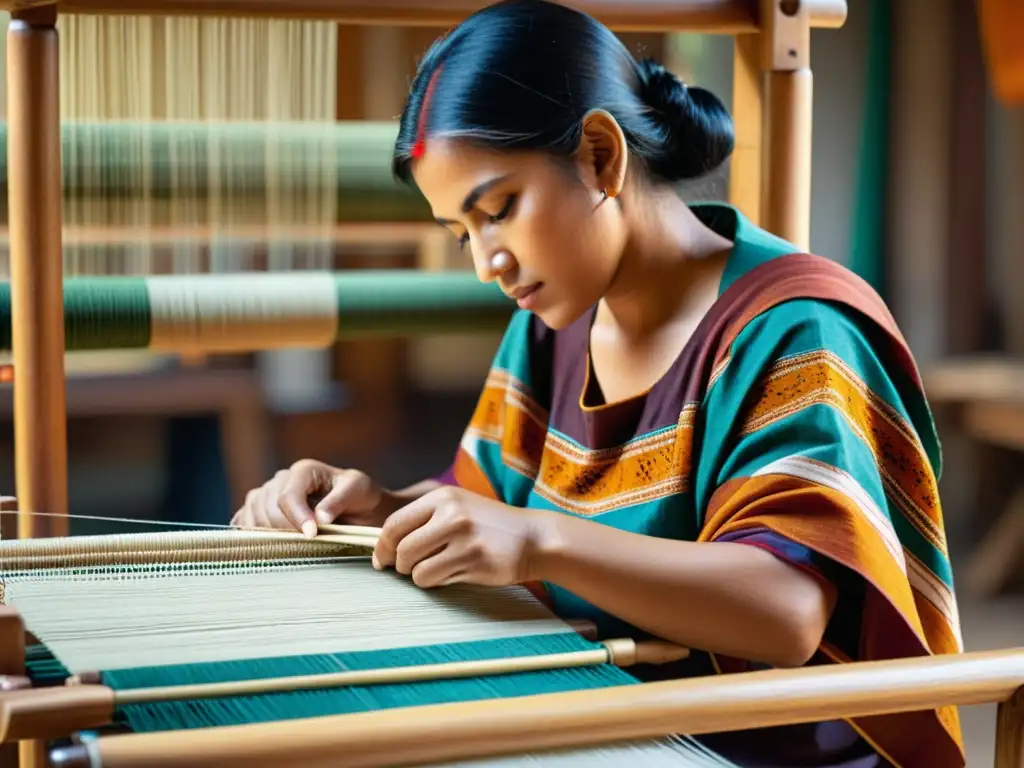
<point x="12" y="663"/>
<point x="786" y="178"/>
<point x="37" y="300"/>
<point x="8" y="527"/>
<point x="745" y="166"/>
<point x="1010" y="732"/>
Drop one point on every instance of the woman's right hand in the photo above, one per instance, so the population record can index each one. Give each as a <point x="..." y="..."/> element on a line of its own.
<point x="311" y="492"/>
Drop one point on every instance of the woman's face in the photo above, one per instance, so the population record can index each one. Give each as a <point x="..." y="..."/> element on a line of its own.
<point x="532" y="224"/>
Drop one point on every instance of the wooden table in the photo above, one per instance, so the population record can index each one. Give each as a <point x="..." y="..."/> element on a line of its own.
<point x="985" y="395"/>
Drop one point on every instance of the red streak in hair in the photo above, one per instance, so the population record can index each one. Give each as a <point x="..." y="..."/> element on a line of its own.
<point x="420" y="146"/>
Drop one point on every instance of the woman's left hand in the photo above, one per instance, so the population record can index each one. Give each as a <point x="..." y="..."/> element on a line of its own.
<point x="451" y="536"/>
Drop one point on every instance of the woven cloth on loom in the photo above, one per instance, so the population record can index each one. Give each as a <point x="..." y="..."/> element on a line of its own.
<point x="180" y="608"/>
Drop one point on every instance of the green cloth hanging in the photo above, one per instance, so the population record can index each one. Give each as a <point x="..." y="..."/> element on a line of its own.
<point x="867" y="233"/>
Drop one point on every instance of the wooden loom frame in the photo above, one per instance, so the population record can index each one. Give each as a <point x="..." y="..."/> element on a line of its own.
<point x="770" y="182"/>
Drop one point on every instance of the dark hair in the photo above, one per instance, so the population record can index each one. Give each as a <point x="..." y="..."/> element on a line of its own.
<point x="521" y="74"/>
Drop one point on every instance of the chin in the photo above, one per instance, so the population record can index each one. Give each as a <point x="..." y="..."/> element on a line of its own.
<point x="558" y="318"/>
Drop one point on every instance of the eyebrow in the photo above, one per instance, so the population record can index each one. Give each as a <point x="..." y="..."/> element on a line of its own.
<point x="474" y="196"/>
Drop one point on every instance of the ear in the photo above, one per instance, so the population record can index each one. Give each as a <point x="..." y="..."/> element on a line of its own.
<point x="602" y="153"/>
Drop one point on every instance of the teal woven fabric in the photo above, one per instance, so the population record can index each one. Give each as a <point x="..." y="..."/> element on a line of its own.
<point x="300" y="704"/>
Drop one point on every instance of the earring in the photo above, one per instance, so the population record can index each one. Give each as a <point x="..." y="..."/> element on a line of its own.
<point x="604" y="195"/>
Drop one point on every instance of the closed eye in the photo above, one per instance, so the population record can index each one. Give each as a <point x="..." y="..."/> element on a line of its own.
<point x="505" y="210"/>
<point x="501" y="215"/>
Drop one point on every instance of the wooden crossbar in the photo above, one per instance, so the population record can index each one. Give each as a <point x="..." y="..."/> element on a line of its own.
<point x="707" y="16"/>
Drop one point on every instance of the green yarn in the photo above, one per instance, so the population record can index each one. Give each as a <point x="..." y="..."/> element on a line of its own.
<point x="238" y="161"/>
<point x="99" y="313"/>
<point x="393" y="302"/>
<point x="317" y="703"/>
<point x="106" y="313"/>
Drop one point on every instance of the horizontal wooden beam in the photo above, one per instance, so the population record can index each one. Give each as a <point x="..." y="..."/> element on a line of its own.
<point x="708" y="16"/>
<point x="518" y="725"/>
<point x="385" y="234"/>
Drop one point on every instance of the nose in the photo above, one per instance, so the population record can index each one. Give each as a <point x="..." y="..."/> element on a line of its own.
<point x="490" y="265"/>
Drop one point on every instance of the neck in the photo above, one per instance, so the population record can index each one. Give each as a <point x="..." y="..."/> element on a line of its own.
<point x="672" y="264"/>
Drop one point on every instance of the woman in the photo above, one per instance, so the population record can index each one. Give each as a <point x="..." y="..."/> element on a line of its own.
<point x="689" y="429"/>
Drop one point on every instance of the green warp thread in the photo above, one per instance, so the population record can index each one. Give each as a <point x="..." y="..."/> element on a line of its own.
<point x="300" y="704"/>
<point x="43" y="668"/>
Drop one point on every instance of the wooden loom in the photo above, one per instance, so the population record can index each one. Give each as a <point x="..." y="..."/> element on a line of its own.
<point x="773" y="154"/>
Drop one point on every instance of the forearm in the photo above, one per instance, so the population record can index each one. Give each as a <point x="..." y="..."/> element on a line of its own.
<point x="725" y="598"/>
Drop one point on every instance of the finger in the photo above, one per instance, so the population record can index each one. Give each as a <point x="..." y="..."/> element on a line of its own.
<point x="303" y="481"/>
<point x="260" y="518"/>
<point x="440" y="570"/>
<point x="270" y="512"/>
<point x="439" y="532"/>
<point x="351" y="491"/>
<point x="243" y="517"/>
<point x="401" y="524"/>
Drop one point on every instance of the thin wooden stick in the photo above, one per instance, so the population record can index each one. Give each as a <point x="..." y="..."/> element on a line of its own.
<point x="622" y="652"/>
<point x="355" y="540"/>
<point x="350" y="530"/>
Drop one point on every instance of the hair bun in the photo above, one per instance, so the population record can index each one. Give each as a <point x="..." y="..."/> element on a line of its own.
<point x="698" y="129"/>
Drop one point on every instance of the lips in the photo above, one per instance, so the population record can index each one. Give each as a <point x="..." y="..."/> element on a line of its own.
<point x="526" y="296"/>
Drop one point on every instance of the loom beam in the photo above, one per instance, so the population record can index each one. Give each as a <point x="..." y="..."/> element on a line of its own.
<point x="170" y="160"/>
<point x="226" y="313"/>
<point x="56" y="711"/>
<point x="449" y="732"/>
<point x="706" y="16"/>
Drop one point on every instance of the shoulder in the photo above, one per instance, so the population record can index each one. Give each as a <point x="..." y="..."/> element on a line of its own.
<point x="803" y="338"/>
<point x="807" y="326"/>
<point x="812" y="353"/>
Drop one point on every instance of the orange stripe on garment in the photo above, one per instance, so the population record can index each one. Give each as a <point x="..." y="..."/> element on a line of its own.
<point x="469" y="475"/>
<point x="578" y="479"/>
<point x="807" y="276"/>
<point x="821" y="518"/>
<point x="936" y="628"/>
<point x="821" y="378"/>
<point x="893" y="622"/>
<point x="505" y="414"/>
<point x="589" y="482"/>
